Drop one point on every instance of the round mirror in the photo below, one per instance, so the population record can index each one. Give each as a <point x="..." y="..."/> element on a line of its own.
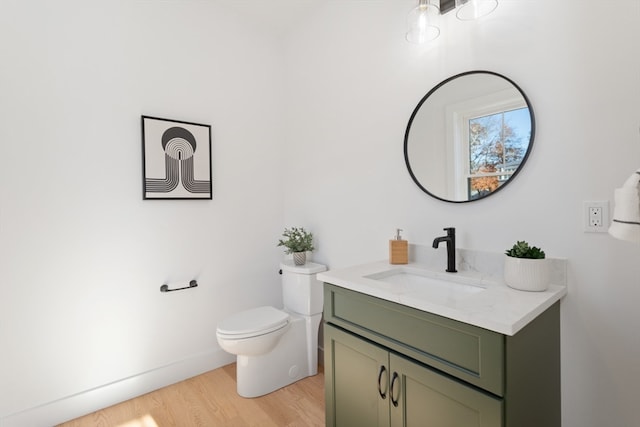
<point x="469" y="136"/>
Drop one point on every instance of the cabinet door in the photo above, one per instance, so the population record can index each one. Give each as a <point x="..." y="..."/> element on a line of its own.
<point x="356" y="381"/>
<point x="422" y="397"/>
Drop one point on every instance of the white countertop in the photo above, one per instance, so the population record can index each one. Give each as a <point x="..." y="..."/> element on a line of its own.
<point x="497" y="307"/>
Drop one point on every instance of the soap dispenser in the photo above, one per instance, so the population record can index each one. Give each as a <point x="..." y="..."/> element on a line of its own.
<point x="398" y="249"/>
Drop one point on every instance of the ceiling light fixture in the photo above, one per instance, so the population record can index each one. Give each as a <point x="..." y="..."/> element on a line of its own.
<point x="468" y="10"/>
<point x="423" y="22"/>
<point x="424" y="19"/>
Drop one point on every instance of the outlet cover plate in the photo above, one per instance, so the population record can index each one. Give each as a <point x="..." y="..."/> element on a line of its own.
<point x="596" y="216"/>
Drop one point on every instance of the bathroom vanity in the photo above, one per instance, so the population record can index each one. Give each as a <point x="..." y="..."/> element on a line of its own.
<point x="408" y="346"/>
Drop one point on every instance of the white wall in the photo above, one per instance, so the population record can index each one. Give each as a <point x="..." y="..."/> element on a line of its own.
<point x="354" y="82"/>
<point x="82" y="256"/>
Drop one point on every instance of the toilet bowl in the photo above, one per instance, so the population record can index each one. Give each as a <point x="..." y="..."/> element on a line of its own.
<point x="252" y="332"/>
<point x="277" y="347"/>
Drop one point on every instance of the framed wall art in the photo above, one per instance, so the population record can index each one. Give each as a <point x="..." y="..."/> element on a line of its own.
<point x="176" y="159"/>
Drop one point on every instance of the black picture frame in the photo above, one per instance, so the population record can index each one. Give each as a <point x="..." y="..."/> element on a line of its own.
<point x="176" y="160"/>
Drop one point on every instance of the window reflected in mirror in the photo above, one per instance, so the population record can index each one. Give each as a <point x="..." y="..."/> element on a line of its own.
<point x="495" y="146"/>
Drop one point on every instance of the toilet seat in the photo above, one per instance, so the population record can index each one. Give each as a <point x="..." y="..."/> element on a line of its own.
<point x="253" y="322"/>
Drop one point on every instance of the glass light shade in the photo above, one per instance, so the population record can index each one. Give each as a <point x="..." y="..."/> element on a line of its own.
<point x="423" y="23"/>
<point x="467" y="10"/>
<point x="626" y="213"/>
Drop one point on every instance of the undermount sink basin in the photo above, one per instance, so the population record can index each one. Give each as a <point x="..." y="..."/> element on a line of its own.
<point x="423" y="282"/>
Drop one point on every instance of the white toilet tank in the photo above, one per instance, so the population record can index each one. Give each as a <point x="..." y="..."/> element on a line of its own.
<point x="301" y="291"/>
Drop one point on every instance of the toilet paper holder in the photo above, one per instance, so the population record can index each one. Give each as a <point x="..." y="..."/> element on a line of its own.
<point x="165" y="287"/>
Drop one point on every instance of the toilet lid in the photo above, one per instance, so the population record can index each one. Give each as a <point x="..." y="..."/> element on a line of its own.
<point x="256" y="320"/>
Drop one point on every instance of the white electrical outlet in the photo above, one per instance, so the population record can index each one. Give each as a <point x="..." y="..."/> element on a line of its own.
<point x="596" y="217"/>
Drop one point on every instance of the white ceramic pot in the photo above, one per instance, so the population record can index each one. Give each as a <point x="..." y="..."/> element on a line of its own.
<point x="526" y="274"/>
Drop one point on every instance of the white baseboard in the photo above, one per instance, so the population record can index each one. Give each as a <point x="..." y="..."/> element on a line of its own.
<point x="85" y="402"/>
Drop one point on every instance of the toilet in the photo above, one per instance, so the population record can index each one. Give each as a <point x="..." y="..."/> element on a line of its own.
<point x="274" y="347"/>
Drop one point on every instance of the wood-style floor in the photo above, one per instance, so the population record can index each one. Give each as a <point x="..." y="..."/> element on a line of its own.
<point x="210" y="400"/>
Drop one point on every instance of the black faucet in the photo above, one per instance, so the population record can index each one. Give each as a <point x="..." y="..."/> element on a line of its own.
<point x="450" y="238"/>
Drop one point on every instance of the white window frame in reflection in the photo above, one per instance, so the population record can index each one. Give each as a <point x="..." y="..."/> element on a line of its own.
<point x="458" y="117"/>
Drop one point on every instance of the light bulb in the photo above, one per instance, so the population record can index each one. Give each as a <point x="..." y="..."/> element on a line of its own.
<point x="467" y="10"/>
<point x="423" y="22"/>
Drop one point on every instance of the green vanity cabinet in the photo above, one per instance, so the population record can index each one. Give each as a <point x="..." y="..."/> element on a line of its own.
<point x="371" y="386"/>
<point x="387" y="364"/>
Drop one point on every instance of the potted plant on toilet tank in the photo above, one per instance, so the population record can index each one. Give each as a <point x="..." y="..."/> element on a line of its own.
<point x="298" y="242"/>
<point x="526" y="268"/>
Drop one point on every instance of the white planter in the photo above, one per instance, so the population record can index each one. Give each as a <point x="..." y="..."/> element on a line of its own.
<point x="526" y="274"/>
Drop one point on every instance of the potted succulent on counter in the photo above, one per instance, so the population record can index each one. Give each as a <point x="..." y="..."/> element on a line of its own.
<point x="297" y="241"/>
<point x="525" y="268"/>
